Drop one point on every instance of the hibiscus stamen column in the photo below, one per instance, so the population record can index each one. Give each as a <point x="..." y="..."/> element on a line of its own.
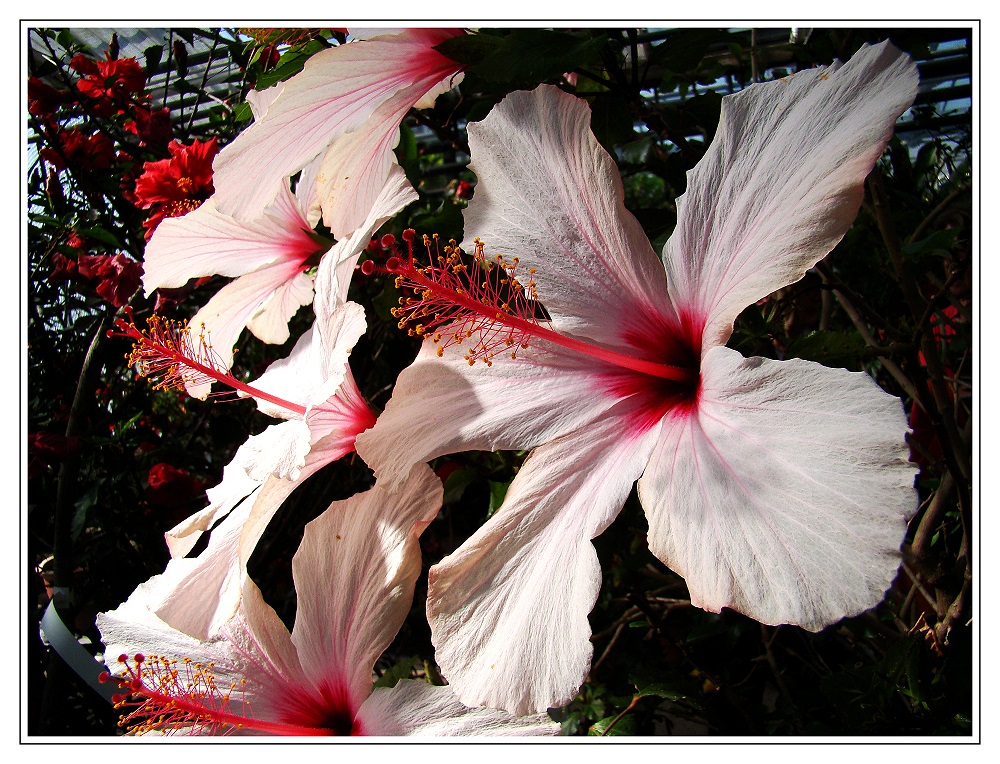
<point x="167" y="695"/>
<point x="451" y="301"/>
<point x="173" y="359"/>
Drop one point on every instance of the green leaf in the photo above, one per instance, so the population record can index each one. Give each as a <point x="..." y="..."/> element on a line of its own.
<point x="102" y="235"/>
<point x="927" y="158"/>
<point x="637" y="151"/>
<point x="611" y="120"/>
<point x="153" y="55"/>
<point x="660" y="690"/>
<point x="242" y="112"/>
<point x="290" y="63"/>
<point x="397" y="671"/>
<point x="469" y="49"/>
<point x="407" y="154"/>
<point x="66" y="39"/>
<point x="456" y="483"/>
<point x="703" y="111"/>
<point x="498" y="490"/>
<point x="829" y="348"/>
<point x="624" y="726"/>
<point x="122" y="427"/>
<point x="446" y="220"/>
<point x="82" y="506"/>
<point x="938" y="244"/>
<point x="685" y="48"/>
<point x="406" y="149"/>
<point x="36" y="217"/>
<point x="183" y="87"/>
<point x="386" y="301"/>
<point x="527" y="57"/>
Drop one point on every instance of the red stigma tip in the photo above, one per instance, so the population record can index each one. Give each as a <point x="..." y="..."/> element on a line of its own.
<point x="103" y="677"/>
<point x="393" y="264"/>
<point x="368" y="267"/>
<point x="123" y="658"/>
<point x="139" y="657"/>
<point x="388" y="240"/>
<point x="409" y="235"/>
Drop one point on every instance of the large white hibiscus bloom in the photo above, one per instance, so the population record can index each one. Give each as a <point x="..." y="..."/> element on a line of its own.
<point x="354" y="574"/>
<point x="780" y="489"/>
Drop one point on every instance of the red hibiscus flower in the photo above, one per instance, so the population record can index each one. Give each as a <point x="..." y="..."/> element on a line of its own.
<point x="43" y="100"/>
<point x="109" y="84"/>
<point x="152" y="127"/>
<point x="117" y="277"/>
<point x="48" y="448"/>
<point x="62" y="268"/>
<point x="175" y="186"/>
<point x="84" y="152"/>
<point x="171" y="487"/>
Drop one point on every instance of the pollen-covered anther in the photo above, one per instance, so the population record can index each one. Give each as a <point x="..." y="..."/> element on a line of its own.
<point x="473" y="297"/>
<point x="171" y="357"/>
<point x="168" y="354"/>
<point x="163" y="695"/>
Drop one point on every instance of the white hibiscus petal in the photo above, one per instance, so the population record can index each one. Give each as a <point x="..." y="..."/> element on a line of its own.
<point x="785" y="494"/>
<point x="508" y="610"/>
<point x="260" y="100"/>
<point x="134" y="628"/>
<point x="294" y="378"/>
<point x="551" y="196"/>
<point x="442" y="405"/>
<point x="235" y="486"/>
<point x="333" y="278"/>
<point x="354" y="575"/>
<point x="199" y="594"/>
<point x="226" y="315"/>
<point x="356" y="165"/>
<point x="266" y="647"/>
<point x="206" y="242"/>
<point x="279" y="450"/>
<point x="336" y="92"/>
<point x="269" y="322"/>
<point x="781" y="182"/>
<point x="420" y="709"/>
<point x="335" y="423"/>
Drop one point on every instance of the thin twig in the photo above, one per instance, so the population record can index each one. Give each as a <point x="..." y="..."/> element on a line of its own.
<point x="945" y="203"/>
<point x="633" y="704"/>
<point x="607" y="650"/>
<point x="932" y="517"/>
<point x="918" y="585"/>
<point x="204" y="82"/>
